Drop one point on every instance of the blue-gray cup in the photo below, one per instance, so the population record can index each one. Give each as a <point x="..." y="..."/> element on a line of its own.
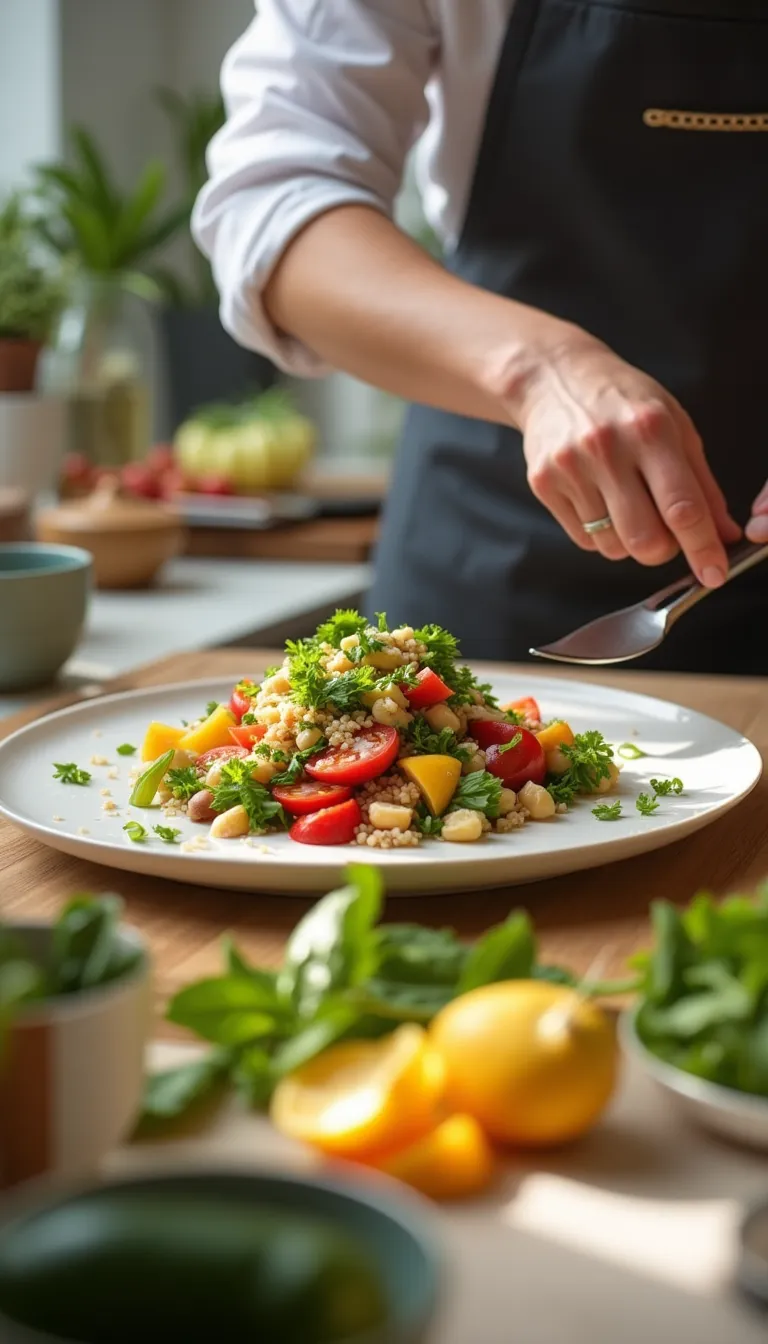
<point x="43" y="602"/>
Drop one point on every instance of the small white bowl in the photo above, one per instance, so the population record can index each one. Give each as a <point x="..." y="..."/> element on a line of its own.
<point x="722" y="1110"/>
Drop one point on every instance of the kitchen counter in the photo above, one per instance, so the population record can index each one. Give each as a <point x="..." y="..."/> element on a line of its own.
<point x="200" y="603"/>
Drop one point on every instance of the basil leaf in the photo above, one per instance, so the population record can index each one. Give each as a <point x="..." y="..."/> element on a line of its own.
<point x="173" y="1092"/>
<point x="254" y="1076"/>
<point x="84" y="950"/>
<point x="238" y="966"/>
<point x="417" y="955"/>
<point x="507" y="952"/>
<point x="332" y="946"/>
<point x="333" y="1024"/>
<point x="229" y="1010"/>
<point x="149" y="780"/>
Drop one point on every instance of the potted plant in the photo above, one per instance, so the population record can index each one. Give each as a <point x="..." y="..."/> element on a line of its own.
<point x="100" y="356"/>
<point x="204" y="363"/>
<point x="30" y="297"/>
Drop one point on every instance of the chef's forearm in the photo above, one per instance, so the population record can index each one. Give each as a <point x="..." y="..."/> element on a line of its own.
<point x="371" y="302"/>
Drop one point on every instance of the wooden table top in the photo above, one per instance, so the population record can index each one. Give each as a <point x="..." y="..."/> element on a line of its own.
<point x="605" y="908"/>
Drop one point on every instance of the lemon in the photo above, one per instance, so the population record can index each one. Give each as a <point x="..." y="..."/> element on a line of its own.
<point x="534" y="1063"/>
<point x="363" y="1099"/>
<point x="454" y="1161"/>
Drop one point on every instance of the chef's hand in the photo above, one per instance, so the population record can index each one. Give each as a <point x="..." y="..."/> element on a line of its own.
<point x="757" y="527"/>
<point x="602" y="439"/>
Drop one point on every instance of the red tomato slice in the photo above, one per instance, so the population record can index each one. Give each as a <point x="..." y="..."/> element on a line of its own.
<point x="247" y="735"/>
<point x="370" y="754"/>
<point x="492" y="732"/>
<point x="204" y="762"/>
<point x="528" y="707"/>
<point x="239" y="703"/>
<point x="309" y="796"/>
<point x="431" y="690"/>
<point x="519" y="763"/>
<point x="331" y="826"/>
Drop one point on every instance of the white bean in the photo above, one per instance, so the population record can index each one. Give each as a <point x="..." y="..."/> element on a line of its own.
<point x="264" y="769"/>
<point x="557" y="763"/>
<point x="390" y="816"/>
<point x="230" y="824"/>
<point x="386" y="711"/>
<point x="307" y="738"/>
<point x="507" y="802"/>
<point x="537" y="801"/>
<point x="278" y="684"/>
<point x="463" y="825"/>
<point x="440" y="716"/>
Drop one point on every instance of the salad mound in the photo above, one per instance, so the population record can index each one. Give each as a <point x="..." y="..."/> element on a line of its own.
<point x="374" y="737"/>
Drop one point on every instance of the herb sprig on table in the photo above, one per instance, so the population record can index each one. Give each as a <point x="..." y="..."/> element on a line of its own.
<point x="70" y="773"/>
<point x="343" y="976"/>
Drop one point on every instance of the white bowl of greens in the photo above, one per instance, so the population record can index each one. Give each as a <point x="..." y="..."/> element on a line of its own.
<point x="700" y="1029"/>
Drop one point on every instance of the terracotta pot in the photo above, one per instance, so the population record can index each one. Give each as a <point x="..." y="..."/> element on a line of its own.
<point x="129" y="539"/>
<point x="18" y="364"/>
<point x="14" y="516"/>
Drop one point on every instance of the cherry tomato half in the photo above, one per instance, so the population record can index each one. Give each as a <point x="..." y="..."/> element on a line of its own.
<point x="204" y="762"/>
<point x="491" y="732"/>
<point x="528" y="707"/>
<point x="309" y="796"/>
<point x="239" y="703"/>
<point x="430" y="690"/>
<point x="247" y="735"/>
<point x="517" y="764"/>
<point x="369" y="754"/>
<point x="331" y="826"/>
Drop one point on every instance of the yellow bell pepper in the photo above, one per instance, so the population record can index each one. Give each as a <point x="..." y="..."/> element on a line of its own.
<point x="212" y="732"/>
<point x="555" y="735"/>
<point x="160" y="737"/>
<point x="436" y="778"/>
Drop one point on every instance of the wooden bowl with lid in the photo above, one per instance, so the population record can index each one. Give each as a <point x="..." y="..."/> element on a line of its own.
<point x="130" y="539"/>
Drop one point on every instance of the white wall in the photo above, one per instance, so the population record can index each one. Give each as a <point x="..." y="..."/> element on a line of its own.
<point x="202" y="31"/>
<point x="29" y="86"/>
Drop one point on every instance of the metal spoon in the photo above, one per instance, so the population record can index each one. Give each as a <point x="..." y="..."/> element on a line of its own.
<point x="627" y="634"/>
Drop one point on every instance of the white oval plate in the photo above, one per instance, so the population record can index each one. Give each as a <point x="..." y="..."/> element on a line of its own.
<point x="717" y="765"/>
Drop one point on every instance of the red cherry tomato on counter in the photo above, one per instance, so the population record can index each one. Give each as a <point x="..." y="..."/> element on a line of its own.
<point x="517" y="763"/>
<point x="248" y="734"/>
<point x="430" y="690"/>
<point x="309" y="796"/>
<point x="239" y="703"/>
<point x="331" y="826"/>
<point x="492" y="732"/>
<point x="528" y="707"/>
<point x="204" y="762"/>
<point x="369" y="754"/>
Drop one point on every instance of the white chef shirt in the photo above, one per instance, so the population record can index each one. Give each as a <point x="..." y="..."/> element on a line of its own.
<point x="325" y="99"/>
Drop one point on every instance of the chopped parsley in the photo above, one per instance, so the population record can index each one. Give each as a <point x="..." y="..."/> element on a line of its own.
<point x="662" y="787"/>
<point x="462" y="682"/>
<point x="399" y="676"/>
<point x="247" y="719"/>
<point x="249" y="689"/>
<point x="69" y="773"/>
<point x="630" y="752"/>
<point x="136" y="832"/>
<point x="480" y="791"/>
<point x="295" y="767"/>
<point x="442" y="650"/>
<point x="425" y="823"/>
<point x="426" y="742"/>
<point x="590" y="756"/>
<point x="345" y="691"/>
<point x="269" y="672"/>
<point x="486" y="690"/>
<point x="514" y="716"/>
<point x="184" y="783"/>
<point x="126" y="750"/>
<point x="511" y="744"/>
<point x="381" y="621"/>
<point x="306" y="672"/>
<point x="211" y="708"/>
<point x="646" y="805"/>
<point x="237" y="787"/>
<point x="607" y="811"/>
<point x="343" y="623"/>
<point x="167" y="833"/>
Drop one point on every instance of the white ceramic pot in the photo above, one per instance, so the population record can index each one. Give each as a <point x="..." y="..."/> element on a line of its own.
<point x="32" y="435"/>
<point x="72" y="1077"/>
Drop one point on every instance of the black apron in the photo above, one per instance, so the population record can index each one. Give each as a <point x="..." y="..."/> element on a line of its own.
<point x="613" y="189"/>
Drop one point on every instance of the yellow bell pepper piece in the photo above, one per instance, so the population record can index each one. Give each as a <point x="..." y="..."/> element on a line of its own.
<point x="555" y="735"/>
<point x="212" y="732"/>
<point x="159" y="739"/>
<point x="436" y="778"/>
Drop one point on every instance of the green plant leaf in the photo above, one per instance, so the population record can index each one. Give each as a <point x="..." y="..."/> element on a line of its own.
<point x="136" y="211"/>
<point x="84" y="949"/>
<point x="253" y="1076"/>
<point x="228" y="1010"/>
<point x="332" y="948"/>
<point x="333" y="1025"/>
<point x="507" y="952"/>
<point x="102" y="192"/>
<point x="174" y="1092"/>
<point x="414" y="954"/>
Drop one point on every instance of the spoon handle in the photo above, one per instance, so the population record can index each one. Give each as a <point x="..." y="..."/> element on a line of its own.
<point x="686" y="592"/>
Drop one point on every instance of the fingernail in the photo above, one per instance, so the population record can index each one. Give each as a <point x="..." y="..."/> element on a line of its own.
<point x="757" y="528"/>
<point x="713" y="576"/>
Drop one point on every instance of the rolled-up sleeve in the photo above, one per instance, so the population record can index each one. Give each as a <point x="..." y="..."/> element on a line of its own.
<point x="324" y="100"/>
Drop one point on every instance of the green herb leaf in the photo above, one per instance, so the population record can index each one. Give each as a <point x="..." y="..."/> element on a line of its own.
<point x="295" y="767"/>
<point x="229" y="1010"/>
<point x="342" y="624"/>
<point x="174" y="1092"/>
<point x="86" y="949"/>
<point x="646" y="805"/>
<point x="426" y="742"/>
<point x="662" y="787"/>
<point x="136" y="832"/>
<point x="590" y="757"/>
<point x="250" y="689"/>
<point x="630" y="751"/>
<point x="381" y="621"/>
<point x="426" y="824"/>
<point x="126" y="750"/>
<point x="169" y="834"/>
<point x="184" y="784"/>
<point x="149" y="780"/>
<point x="442" y="651"/>
<point x="69" y="773"/>
<point x="331" y="948"/>
<point x="236" y="787"/>
<point x="211" y="708"/>
<point x="607" y="811"/>
<point x="480" y="791"/>
<point x="507" y="952"/>
<point x="414" y="954"/>
<point x="511" y="744"/>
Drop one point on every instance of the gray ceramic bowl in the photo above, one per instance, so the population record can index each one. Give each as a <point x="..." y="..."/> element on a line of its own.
<point x="391" y="1227"/>
<point x="43" y="601"/>
<point x="722" y="1110"/>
